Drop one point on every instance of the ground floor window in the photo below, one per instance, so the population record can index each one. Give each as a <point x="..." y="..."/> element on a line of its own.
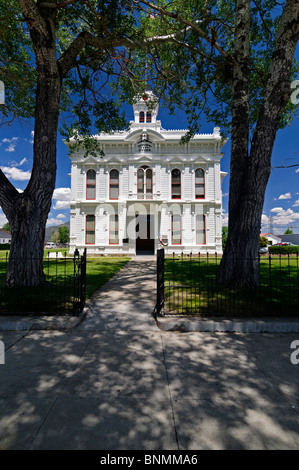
<point x="90" y="230"/>
<point x="200" y="229"/>
<point x="113" y="230"/>
<point x="176" y="229"/>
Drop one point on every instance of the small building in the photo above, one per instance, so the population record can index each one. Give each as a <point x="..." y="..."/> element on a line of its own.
<point x="5" y="237"/>
<point x="272" y="239"/>
<point x="148" y="190"/>
<point x="290" y="238"/>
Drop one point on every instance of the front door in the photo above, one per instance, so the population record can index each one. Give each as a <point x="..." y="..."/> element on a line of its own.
<point x="145" y="242"/>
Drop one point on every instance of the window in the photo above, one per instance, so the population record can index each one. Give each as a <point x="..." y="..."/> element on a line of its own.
<point x="141" y="116"/>
<point x="144" y="183"/>
<point x="91" y="184"/>
<point x="200" y="229"/>
<point x="176" y="184"/>
<point x="113" y="229"/>
<point x="90" y="230"/>
<point x="176" y="229"/>
<point x="114" y="184"/>
<point x="148" y="117"/>
<point x="199" y="184"/>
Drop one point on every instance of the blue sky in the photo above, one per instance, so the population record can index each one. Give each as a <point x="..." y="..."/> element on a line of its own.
<point x="281" y="206"/>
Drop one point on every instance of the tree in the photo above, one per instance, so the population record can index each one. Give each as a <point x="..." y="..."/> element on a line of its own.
<point x="224" y="236"/>
<point x="63" y="235"/>
<point x="235" y="64"/>
<point x="6" y="227"/>
<point x="288" y="232"/>
<point x="263" y="242"/>
<point x="57" y="56"/>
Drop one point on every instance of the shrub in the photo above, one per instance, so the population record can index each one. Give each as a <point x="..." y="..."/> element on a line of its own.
<point x="283" y="250"/>
<point x="4" y="246"/>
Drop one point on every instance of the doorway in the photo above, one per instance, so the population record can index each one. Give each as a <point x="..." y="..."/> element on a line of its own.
<point x="145" y="242"/>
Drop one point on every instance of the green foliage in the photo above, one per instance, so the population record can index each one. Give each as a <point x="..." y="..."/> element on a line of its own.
<point x="63" y="234"/>
<point x="6" y="227"/>
<point x="263" y="242"/>
<point x="288" y="231"/>
<point x="284" y="250"/>
<point x="224" y="236"/>
<point x="4" y="246"/>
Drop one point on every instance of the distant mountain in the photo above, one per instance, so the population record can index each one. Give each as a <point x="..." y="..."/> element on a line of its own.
<point x="49" y="230"/>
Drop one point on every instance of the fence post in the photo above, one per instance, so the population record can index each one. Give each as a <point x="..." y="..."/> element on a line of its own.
<point x="83" y="279"/>
<point x="160" y="282"/>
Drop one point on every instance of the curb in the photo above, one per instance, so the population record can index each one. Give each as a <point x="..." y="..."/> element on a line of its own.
<point x="62" y="323"/>
<point x="236" y="325"/>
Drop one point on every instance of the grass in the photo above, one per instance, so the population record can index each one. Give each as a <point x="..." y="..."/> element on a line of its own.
<point x="59" y="296"/>
<point x="190" y="287"/>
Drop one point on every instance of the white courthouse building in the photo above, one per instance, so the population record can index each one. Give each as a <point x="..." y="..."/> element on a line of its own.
<point x="148" y="190"/>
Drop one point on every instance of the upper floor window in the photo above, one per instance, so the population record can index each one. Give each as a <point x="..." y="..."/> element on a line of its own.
<point x="176" y="184"/>
<point x="148" y="117"/>
<point x="91" y="184"/>
<point x="141" y="116"/>
<point x="90" y="229"/>
<point x="114" y="184"/>
<point x="200" y="229"/>
<point x="199" y="184"/>
<point x="145" y="183"/>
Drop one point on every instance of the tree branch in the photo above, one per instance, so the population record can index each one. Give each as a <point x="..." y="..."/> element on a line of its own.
<point x="56" y="5"/>
<point x="189" y="23"/>
<point x="8" y="194"/>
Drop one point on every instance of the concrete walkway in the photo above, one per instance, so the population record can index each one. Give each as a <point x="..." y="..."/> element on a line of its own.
<point x="116" y="381"/>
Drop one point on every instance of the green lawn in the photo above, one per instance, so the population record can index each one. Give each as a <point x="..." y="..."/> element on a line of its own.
<point x="59" y="296"/>
<point x="190" y="287"/>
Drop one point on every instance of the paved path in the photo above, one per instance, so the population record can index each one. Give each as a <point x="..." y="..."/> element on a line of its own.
<point x="117" y="382"/>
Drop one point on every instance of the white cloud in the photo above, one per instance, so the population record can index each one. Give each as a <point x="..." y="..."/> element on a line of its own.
<point x="53" y="221"/>
<point x="15" y="173"/>
<point x="12" y="143"/>
<point x="285" y="196"/>
<point x="61" y="216"/>
<point x="284" y="217"/>
<point x="3" y="219"/>
<point x="10" y="148"/>
<point x="62" y="197"/>
<point x="296" y="204"/>
<point x="297" y="171"/>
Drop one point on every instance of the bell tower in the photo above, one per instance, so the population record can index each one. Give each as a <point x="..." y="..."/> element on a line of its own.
<point x="146" y="109"/>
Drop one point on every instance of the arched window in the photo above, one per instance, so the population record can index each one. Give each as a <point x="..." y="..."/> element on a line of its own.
<point x="114" y="184"/>
<point x="144" y="183"/>
<point x="199" y="184"/>
<point x="90" y="230"/>
<point x="148" y="117"/>
<point x="141" y="116"/>
<point x="91" y="184"/>
<point x="200" y="229"/>
<point x="176" y="229"/>
<point x="176" y="184"/>
<point x="113" y="229"/>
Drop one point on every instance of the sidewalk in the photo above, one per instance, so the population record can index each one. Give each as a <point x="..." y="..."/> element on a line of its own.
<point x="116" y="381"/>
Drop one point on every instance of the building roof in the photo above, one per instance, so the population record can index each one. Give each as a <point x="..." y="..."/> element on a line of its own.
<point x="4" y="234"/>
<point x="271" y="235"/>
<point x="292" y="238"/>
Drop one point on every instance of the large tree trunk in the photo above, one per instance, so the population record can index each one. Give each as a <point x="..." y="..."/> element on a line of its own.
<point x="250" y="171"/>
<point x="27" y="212"/>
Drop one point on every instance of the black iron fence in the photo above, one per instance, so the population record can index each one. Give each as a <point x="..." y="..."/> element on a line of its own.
<point x="186" y="284"/>
<point x="63" y="293"/>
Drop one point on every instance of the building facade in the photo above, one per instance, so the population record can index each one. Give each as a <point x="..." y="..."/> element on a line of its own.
<point x="148" y="190"/>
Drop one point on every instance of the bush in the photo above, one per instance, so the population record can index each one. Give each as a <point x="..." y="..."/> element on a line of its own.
<point x="4" y="246"/>
<point x="283" y="250"/>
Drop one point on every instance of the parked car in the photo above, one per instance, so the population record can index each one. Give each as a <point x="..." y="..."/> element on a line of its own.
<point x="50" y="245"/>
<point x="264" y="249"/>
